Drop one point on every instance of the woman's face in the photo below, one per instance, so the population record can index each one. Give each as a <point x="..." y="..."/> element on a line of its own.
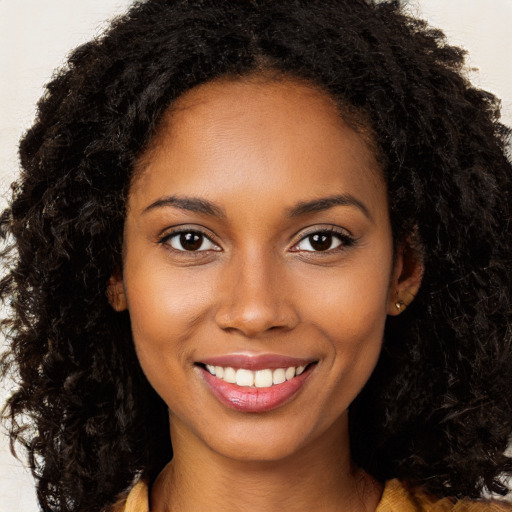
<point x="257" y="242"/>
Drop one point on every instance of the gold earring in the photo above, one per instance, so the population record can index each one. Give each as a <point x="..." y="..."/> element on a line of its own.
<point x="399" y="305"/>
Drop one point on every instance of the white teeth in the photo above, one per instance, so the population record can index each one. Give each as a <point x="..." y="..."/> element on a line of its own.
<point x="259" y="379"/>
<point x="244" y="377"/>
<point x="290" y="373"/>
<point x="263" y="379"/>
<point x="279" y="376"/>
<point x="229" y="375"/>
<point x="299" y="370"/>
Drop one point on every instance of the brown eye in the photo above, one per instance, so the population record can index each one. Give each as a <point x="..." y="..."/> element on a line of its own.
<point x="322" y="241"/>
<point x="190" y="241"/>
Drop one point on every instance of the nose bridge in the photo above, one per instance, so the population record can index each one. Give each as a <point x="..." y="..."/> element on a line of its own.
<point x="254" y="296"/>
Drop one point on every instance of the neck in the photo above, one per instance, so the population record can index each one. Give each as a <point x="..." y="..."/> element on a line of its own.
<point x="318" y="477"/>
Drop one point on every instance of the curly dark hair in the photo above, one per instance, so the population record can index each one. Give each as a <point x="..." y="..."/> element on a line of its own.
<point x="436" y="411"/>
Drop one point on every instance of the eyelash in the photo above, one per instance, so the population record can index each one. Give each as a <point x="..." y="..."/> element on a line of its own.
<point x="344" y="239"/>
<point x="167" y="240"/>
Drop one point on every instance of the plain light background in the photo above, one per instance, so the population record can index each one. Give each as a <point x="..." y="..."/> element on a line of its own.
<point x="36" y="36"/>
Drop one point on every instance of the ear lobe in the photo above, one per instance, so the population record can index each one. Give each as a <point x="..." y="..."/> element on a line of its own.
<point x="116" y="295"/>
<point x="407" y="276"/>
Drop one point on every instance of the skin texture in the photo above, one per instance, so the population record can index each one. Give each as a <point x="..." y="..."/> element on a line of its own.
<point x="257" y="149"/>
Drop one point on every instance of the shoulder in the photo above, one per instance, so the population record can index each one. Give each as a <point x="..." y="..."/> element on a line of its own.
<point x="136" y="500"/>
<point x="398" y="497"/>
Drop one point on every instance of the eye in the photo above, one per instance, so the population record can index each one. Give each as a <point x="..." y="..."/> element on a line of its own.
<point x="322" y="241"/>
<point x="190" y="241"/>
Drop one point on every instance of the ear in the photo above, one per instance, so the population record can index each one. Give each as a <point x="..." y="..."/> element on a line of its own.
<point x="407" y="276"/>
<point x="115" y="293"/>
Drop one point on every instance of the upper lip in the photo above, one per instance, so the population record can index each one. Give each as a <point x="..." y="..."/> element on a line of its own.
<point x="256" y="361"/>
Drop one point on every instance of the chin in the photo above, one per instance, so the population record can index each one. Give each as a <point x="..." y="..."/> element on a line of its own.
<point x="265" y="440"/>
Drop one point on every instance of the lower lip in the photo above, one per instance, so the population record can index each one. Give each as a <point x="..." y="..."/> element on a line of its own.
<point x="248" y="399"/>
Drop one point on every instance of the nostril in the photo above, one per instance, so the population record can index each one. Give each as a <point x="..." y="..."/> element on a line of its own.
<point x="252" y="319"/>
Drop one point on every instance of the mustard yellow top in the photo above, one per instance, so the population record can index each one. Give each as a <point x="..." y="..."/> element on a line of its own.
<point x="395" y="498"/>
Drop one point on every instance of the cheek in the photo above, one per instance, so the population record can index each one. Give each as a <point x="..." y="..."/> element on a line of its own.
<point x="355" y="330"/>
<point x="166" y="306"/>
<point x="349" y="308"/>
<point x="350" y="302"/>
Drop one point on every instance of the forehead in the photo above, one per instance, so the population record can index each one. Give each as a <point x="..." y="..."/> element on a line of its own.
<point x="283" y="134"/>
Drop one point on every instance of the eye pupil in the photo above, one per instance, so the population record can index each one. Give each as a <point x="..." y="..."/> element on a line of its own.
<point x="320" y="241"/>
<point x="191" y="241"/>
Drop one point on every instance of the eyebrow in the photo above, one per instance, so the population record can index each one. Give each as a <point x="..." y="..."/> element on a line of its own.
<point x="191" y="204"/>
<point x="198" y="205"/>
<point x="324" y="203"/>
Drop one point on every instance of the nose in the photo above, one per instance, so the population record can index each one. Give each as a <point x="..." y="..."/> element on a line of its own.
<point x="255" y="298"/>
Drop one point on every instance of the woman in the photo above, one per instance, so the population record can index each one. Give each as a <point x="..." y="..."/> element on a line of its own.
<point x="277" y="234"/>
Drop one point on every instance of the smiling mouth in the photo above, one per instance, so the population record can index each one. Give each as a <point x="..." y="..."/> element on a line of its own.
<point x="264" y="378"/>
<point x="267" y="383"/>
